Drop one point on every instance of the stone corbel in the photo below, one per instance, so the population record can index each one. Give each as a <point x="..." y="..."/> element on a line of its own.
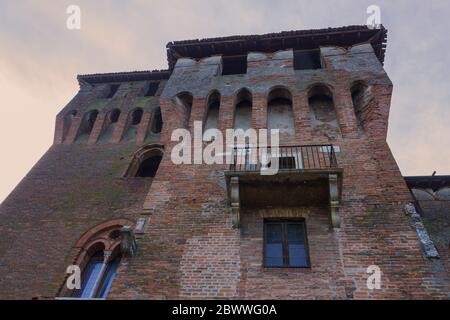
<point x="334" y="200"/>
<point x="128" y="245"/>
<point x="235" y="202"/>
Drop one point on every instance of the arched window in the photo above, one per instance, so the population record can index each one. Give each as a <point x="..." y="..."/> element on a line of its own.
<point x="133" y="124"/>
<point x="212" y="112"/>
<point x="87" y="124"/>
<point x="360" y="99"/>
<point x="98" y="274"/>
<point x="321" y="106"/>
<point x="68" y="119"/>
<point x="100" y="251"/>
<point x="114" y="115"/>
<point x="243" y="111"/>
<point x="184" y="102"/>
<point x="146" y="162"/>
<point x="279" y="111"/>
<point x="157" y="121"/>
<point x="110" y="124"/>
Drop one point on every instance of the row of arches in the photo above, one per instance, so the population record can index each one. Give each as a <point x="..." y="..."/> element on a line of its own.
<point x="280" y="115"/>
<point x="110" y="123"/>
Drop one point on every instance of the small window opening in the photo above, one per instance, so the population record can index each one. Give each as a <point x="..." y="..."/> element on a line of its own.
<point x="212" y="113"/>
<point x="234" y="65"/>
<point x="114" y="234"/>
<point x="149" y="167"/>
<point x="285" y="244"/>
<point x="114" y="115"/>
<point x="307" y="59"/>
<point x="184" y="101"/>
<point x="157" y="121"/>
<point x="112" y="90"/>
<point x="152" y="89"/>
<point x="136" y="117"/>
<point x="243" y="111"/>
<point x="287" y="163"/>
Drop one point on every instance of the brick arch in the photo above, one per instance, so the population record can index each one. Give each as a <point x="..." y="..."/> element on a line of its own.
<point x="94" y="240"/>
<point x="361" y="98"/>
<point x="141" y="155"/>
<point x="322" y="108"/>
<point x="88" y="121"/>
<point x="212" y="109"/>
<point x="239" y="92"/>
<point x="183" y="102"/>
<point x="101" y="228"/>
<point x="239" y="112"/>
<point x="280" y="111"/>
<point x="318" y="85"/>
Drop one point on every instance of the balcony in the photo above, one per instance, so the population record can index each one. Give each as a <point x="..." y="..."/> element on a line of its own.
<point x="288" y="176"/>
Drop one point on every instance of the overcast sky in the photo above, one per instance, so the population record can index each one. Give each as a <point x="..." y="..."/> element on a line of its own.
<point x="40" y="58"/>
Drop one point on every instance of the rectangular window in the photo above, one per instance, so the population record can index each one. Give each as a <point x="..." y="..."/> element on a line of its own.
<point x="234" y="65"/>
<point x="112" y="90"/>
<point x="285" y="244"/>
<point x="152" y="89"/>
<point x="307" y="59"/>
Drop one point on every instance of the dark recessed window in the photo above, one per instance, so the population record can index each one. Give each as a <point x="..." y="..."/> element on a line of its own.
<point x="152" y="89"/>
<point x="136" y="117"/>
<point x="96" y="271"/>
<point x="149" y="167"/>
<point x="112" y="90"/>
<point x="157" y="122"/>
<point x="307" y="59"/>
<point x="285" y="244"/>
<point x="234" y="65"/>
<point x="114" y="115"/>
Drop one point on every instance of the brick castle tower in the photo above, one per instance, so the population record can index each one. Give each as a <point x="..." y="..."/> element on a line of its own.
<point x="108" y="198"/>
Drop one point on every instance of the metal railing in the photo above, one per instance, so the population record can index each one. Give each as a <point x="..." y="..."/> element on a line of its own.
<point x="287" y="157"/>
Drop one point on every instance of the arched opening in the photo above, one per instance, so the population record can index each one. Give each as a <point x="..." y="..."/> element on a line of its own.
<point x="280" y="113"/>
<point x="321" y="108"/>
<point x="212" y="112"/>
<point x="243" y="111"/>
<point x="114" y="115"/>
<point x="133" y="124"/>
<point x="149" y="167"/>
<point x="110" y="125"/>
<point x="157" y="121"/>
<point x="184" y="102"/>
<point x="136" y="117"/>
<point x="146" y="162"/>
<point x="87" y="124"/>
<point x="98" y="274"/>
<point x="360" y="99"/>
<point x="100" y="251"/>
<point x="68" y="120"/>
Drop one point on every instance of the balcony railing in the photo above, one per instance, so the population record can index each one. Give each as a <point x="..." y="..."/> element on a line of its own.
<point x="249" y="159"/>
